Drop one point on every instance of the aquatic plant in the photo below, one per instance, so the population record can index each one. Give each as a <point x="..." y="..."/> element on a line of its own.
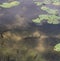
<point x="41" y="3"/>
<point x="9" y="5"/>
<point x="51" y="19"/>
<point x="47" y="1"/>
<point x="48" y="10"/>
<point x="54" y="2"/>
<point x="57" y="47"/>
<point x="38" y="3"/>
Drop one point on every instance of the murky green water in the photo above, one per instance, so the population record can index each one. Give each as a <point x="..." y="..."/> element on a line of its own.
<point x="21" y="39"/>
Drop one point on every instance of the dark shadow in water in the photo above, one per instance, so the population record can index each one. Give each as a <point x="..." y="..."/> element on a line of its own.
<point x="7" y="19"/>
<point x="30" y="42"/>
<point x="49" y="29"/>
<point x="53" y="29"/>
<point x="51" y="41"/>
<point x="3" y="29"/>
<point x="52" y="56"/>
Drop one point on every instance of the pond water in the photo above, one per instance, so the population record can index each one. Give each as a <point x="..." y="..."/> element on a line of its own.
<point x="23" y="40"/>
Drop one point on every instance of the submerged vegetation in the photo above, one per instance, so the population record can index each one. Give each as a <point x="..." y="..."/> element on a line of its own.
<point x="9" y="5"/>
<point x="21" y="39"/>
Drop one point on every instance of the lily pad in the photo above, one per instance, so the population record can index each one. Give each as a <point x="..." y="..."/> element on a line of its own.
<point x="9" y="5"/>
<point x="38" y="3"/>
<point x="50" y="11"/>
<point x="57" y="3"/>
<point x="57" y="47"/>
<point x="51" y="19"/>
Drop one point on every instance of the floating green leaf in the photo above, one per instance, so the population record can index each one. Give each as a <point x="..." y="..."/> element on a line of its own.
<point x="56" y="3"/>
<point x="9" y="5"/>
<point x="48" y="10"/>
<point x="36" y="20"/>
<point x="57" y="47"/>
<point x="38" y="3"/>
<point x="47" y="1"/>
<point x="51" y="19"/>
